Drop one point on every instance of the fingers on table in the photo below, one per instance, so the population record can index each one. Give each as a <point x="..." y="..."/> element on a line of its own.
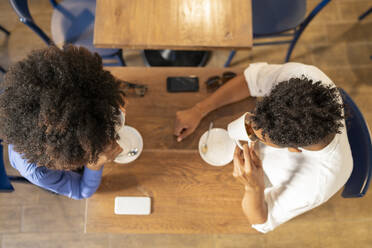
<point x="178" y="127"/>
<point x="184" y="133"/>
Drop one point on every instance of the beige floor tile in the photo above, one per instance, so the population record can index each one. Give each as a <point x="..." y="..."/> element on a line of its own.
<point x="314" y="33"/>
<point x="353" y="79"/>
<point x="366" y="27"/>
<point x="23" y="194"/>
<point x="8" y="18"/>
<point x="54" y="214"/>
<point x="161" y="240"/>
<point x="55" y="240"/>
<point x="242" y="58"/>
<point x="10" y="219"/>
<point x="302" y="53"/>
<point x="133" y="57"/>
<point x="16" y="48"/>
<point x="218" y="58"/>
<point x="346" y="32"/>
<point x="328" y="14"/>
<point x="350" y="11"/>
<point x="351" y="209"/>
<point x="345" y="234"/>
<point x="293" y="235"/>
<point x="359" y="53"/>
<point x="330" y="54"/>
<point x="271" y="54"/>
<point x="239" y="241"/>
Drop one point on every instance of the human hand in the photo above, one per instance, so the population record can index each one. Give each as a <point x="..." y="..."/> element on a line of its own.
<point x="186" y="122"/>
<point x="111" y="152"/>
<point x="248" y="168"/>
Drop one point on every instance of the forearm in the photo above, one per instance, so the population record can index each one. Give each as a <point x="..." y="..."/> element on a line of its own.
<point x="89" y="182"/>
<point x="254" y="206"/>
<point x="233" y="91"/>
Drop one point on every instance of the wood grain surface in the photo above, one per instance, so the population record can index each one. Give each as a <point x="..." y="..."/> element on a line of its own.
<point x="188" y="195"/>
<point x="154" y="114"/>
<point x="173" y="24"/>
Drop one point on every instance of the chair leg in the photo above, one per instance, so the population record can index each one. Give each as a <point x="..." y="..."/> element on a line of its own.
<point x="120" y="57"/>
<point x="362" y="16"/>
<point x="206" y="56"/>
<point x="231" y="56"/>
<point x="2" y="69"/>
<point x="292" y="45"/>
<point x="4" y="30"/>
<point x="303" y="25"/>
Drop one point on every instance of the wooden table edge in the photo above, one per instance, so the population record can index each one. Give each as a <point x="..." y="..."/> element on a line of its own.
<point x="192" y="48"/>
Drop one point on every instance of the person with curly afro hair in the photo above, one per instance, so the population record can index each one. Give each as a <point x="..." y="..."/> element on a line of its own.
<point x="59" y="110"/>
<point x="298" y="155"/>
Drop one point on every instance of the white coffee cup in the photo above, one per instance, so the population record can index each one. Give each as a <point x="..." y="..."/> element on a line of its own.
<point x="238" y="132"/>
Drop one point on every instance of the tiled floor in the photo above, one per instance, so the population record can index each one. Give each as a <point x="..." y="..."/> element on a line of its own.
<point x="335" y="42"/>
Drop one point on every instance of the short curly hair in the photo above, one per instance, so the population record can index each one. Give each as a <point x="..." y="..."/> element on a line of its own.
<point x="59" y="108"/>
<point x="298" y="113"/>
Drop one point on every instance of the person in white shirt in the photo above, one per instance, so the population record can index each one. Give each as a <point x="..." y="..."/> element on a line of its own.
<point x="301" y="140"/>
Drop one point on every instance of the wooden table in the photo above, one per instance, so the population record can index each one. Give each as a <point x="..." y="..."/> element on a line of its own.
<point x="188" y="195"/>
<point x="173" y="24"/>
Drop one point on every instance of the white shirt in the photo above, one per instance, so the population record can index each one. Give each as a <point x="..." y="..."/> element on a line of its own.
<point x="299" y="181"/>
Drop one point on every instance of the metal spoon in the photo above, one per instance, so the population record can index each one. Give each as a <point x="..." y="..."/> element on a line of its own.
<point x="132" y="152"/>
<point x="204" y="147"/>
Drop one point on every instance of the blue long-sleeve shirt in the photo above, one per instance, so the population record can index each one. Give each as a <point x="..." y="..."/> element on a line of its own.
<point x="68" y="183"/>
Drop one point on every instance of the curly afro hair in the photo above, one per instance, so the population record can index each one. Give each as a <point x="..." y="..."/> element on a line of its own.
<point x="59" y="108"/>
<point x="299" y="113"/>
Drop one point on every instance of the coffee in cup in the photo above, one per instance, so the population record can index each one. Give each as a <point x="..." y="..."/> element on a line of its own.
<point x="238" y="130"/>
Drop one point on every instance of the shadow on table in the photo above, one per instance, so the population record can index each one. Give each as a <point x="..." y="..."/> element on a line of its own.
<point x="119" y="182"/>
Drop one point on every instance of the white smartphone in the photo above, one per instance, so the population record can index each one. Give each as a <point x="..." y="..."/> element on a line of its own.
<point x="133" y="205"/>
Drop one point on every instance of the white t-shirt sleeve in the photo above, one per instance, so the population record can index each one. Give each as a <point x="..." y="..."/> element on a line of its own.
<point x="261" y="77"/>
<point x="283" y="204"/>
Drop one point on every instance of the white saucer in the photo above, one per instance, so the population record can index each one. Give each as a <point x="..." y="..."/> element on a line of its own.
<point x="130" y="139"/>
<point x="220" y="147"/>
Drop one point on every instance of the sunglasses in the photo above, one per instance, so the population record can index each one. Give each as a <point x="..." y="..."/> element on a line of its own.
<point x="136" y="89"/>
<point x="215" y="82"/>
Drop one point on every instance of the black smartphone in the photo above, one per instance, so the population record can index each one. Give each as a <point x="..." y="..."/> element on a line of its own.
<point x="183" y="84"/>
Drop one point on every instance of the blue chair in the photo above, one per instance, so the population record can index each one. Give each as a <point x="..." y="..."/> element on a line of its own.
<point x="7" y="33"/>
<point x="4" y="30"/>
<point x="72" y="23"/>
<point x="5" y="185"/>
<point x="365" y="14"/>
<point x="361" y="148"/>
<point x="278" y="18"/>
